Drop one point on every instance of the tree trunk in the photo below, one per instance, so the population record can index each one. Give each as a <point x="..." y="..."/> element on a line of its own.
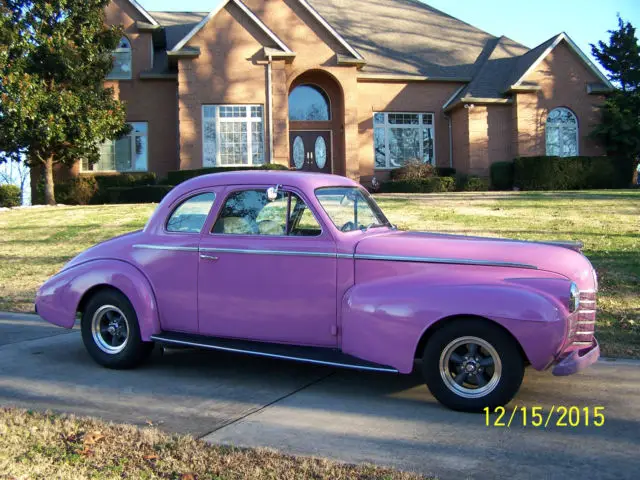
<point x="49" y="193"/>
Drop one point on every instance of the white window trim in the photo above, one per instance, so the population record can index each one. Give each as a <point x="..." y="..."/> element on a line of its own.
<point x="111" y="76"/>
<point x="559" y="127"/>
<point x="248" y="119"/>
<point x="388" y="125"/>
<point x="131" y="136"/>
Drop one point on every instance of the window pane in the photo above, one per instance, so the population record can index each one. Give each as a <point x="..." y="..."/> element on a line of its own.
<point x="302" y="221"/>
<point x="308" y="102"/>
<point x="427" y="145"/>
<point x="403" y="118"/>
<point x="561" y="133"/>
<point x="350" y="208"/>
<point x="240" y="213"/>
<point x="209" y="142"/>
<point x="190" y="216"/>
<point x="121" y="65"/>
<point x="257" y="143"/>
<point x="107" y="157"/>
<point x="378" y="118"/>
<point x="233" y="143"/>
<point x="123" y="154"/>
<point x="404" y="145"/>
<point x="379" y="147"/>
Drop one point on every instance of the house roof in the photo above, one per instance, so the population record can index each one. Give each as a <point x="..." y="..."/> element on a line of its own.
<point x="404" y="39"/>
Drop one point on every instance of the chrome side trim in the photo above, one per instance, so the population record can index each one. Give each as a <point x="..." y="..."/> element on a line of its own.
<point x="452" y="261"/>
<point x="582" y="344"/>
<point x="272" y="355"/>
<point x="590" y="332"/>
<point x="586" y="311"/>
<point x="270" y="252"/>
<point x="166" y="247"/>
<point x="586" y="322"/>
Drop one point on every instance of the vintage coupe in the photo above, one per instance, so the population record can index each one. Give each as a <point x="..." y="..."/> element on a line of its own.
<point x="306" y="267"/>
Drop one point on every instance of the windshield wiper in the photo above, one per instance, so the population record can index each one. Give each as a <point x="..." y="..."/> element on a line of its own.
<point x="374" y="225"/>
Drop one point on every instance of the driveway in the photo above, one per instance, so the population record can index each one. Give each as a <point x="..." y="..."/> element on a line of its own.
<point x="309" y="410"/>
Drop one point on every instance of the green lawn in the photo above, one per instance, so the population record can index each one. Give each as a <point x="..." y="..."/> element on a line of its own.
<point x="35" y="243"/>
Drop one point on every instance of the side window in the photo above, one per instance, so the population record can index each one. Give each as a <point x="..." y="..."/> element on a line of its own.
<point x="250" y="212"/>
<point x="191" y="214"/>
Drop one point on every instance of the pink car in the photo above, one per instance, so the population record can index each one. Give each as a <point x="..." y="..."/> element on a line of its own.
<point x="306" y="267"/>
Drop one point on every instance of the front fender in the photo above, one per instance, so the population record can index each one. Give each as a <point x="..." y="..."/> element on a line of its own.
<point x="383" y="321"/>
<point x="59" y="297"/>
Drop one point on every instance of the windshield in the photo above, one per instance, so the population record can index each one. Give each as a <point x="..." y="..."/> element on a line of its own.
<point x="351" y="208"/>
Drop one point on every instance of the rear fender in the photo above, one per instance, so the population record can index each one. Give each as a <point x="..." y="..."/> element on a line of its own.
<point x="383" y="321"/>
<point x="58" y="300"/>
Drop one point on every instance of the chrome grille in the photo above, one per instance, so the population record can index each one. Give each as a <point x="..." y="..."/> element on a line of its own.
<point x="584" y="321"/>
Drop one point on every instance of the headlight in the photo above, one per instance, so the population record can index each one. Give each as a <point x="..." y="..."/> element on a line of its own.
<point x="574" y="298"/>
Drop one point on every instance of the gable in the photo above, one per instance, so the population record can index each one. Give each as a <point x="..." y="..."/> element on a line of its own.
<point x="127" y="12"/>
<point x="561" y="55"/>
<point x="243" y="15"/>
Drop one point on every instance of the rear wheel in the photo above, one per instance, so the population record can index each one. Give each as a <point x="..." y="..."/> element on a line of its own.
<point x="470" y="364"/>
<point x="110" y="331"/>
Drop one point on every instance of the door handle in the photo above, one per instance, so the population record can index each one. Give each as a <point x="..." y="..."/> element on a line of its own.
<point x="208" y="257"/>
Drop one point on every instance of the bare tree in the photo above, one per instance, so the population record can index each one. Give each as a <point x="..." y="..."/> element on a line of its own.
<point x="15" y="173"/>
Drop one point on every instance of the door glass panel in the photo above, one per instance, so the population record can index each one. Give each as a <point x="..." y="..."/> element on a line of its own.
<point x="298" y="153"/>
<point x="321" y="152"/>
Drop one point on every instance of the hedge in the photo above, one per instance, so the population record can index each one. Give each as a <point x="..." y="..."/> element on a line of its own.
<point x="179" y="176"/>
<point x="10" y="196"/>
<point x="92" y="189"/>
<point x="471" y="183"/>
<point x="572" y="173"/>
<point x="141" y="194"/>
<point x="419" y="185"/>
<point x="502" y="175"/>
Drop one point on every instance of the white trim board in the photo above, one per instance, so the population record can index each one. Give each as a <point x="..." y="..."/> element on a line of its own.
<point x="559" y="38"/>
<point x="143" y="12"/>
<point x="221" y="4"/>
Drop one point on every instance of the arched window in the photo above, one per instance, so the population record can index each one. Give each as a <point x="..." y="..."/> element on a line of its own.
<point x="121" y="61"/>
<point x="309" y="103"/>
<point x="562" y="133"/>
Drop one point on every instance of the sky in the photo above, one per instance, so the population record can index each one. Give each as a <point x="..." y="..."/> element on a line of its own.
<point x="527" y="22"/>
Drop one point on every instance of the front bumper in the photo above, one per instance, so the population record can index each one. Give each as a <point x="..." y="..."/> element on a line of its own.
<point x="577" y="360"/>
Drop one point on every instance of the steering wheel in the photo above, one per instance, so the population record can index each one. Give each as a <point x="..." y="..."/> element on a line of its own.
<point x="347" y="227"/>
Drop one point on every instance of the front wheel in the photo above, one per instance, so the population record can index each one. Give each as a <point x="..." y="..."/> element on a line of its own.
<point x="472" y="364"/>
<point x="110" y="331"/>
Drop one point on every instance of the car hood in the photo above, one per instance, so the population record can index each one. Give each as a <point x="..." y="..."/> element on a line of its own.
<point x="562" y="258"/>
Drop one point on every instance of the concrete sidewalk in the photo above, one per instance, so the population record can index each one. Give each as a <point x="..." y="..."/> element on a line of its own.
<point x="344" y="415"/>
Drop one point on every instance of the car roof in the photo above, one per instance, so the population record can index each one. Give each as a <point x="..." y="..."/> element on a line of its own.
<point x="302" y="180"/>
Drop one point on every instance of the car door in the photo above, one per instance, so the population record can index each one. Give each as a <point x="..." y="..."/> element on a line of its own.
<point x="267" y="270"/>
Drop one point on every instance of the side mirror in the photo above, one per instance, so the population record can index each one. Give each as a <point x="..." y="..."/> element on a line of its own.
<point x="272" y="193"/>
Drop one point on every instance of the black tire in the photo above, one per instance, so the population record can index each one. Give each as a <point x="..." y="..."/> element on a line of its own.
<point x="128" y="353"/>
<point x="482" y="387"/>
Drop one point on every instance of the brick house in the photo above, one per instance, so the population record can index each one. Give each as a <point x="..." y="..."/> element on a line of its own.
<point x="352" y="87"/>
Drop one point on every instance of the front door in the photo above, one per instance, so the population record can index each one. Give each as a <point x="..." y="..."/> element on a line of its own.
<point x="310" y="150"/>
<point x="268" y="271"/>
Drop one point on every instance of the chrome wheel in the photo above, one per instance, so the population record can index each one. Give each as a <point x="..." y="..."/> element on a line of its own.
<point x="110" y="329"/>
<point x="470" y="367"/>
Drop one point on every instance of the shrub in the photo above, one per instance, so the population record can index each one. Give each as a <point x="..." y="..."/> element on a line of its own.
<point x="179" y="176"/>
<point x="139" y="194"/>
<point x="10" y="196"/>
<point x="572" y="173"/>
<point x="413" y="170"/>
<point x="445" y="171"/>
<point x="471" y="183"/>
<point x="105" y="182"/>
<point x="77" y="191"/>
<point x="419" y="185"/>
<point x="502" y="175"/>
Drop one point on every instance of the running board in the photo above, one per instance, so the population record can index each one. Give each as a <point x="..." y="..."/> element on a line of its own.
<point x="316" y="355"/>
